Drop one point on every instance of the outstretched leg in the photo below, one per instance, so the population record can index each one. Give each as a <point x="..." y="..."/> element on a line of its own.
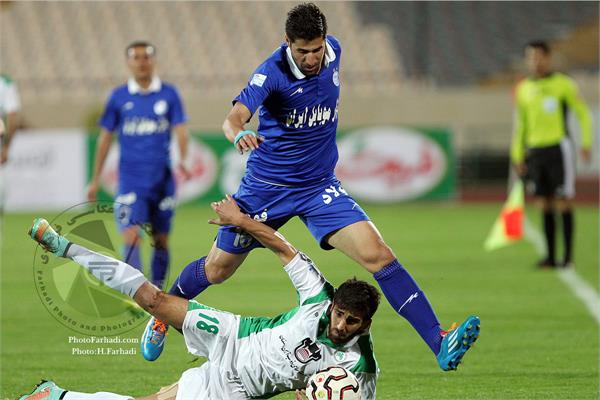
<point x="115" y="274"/>
<point x="363" y="243"/>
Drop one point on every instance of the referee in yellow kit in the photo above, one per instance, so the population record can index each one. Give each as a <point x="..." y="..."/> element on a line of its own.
<point x="542" y="150"/>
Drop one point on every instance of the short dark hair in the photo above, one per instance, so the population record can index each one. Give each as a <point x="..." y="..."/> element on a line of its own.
<point x="358" y="297"/>
<point x="306" y="22"/>
<point x="539" y="44"/>
<point x="150" y="49"/>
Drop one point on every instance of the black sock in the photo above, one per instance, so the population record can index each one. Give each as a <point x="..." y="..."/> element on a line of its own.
<point x="549" y="228"/>
<point x="568" y="222"/>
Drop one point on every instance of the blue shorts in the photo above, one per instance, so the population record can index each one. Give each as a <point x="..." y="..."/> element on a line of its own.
<point x="146" y="207"/>
<point x="324" y="208"/>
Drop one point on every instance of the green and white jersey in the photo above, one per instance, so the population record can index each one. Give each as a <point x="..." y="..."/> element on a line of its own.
<point x="281" y="353"/>
<point x="9" y="96"/>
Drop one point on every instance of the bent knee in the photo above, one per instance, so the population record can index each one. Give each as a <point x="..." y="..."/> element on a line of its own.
<point x="218" y="272"/>
<point x="374" y="258"/>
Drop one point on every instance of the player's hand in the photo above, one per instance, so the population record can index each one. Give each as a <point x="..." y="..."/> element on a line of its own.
<point x="185" y="171"/>
<point x="228" y="212"/>
<point x="300" y="395"/>
<point x="249" y="142"/>
<point x="586" y="155"/>
<point x="92" y="192"/>
<point x="520" y="169"/>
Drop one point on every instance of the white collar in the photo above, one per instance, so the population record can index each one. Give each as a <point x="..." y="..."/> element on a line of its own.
<point x="329" y="57"/>
<point x="133" y="87"/>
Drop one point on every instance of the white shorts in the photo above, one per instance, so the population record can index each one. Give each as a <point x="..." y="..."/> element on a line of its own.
<point x="213" y="334"/>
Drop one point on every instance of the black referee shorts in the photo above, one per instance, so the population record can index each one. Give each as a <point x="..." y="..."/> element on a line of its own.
<point x="551" y="170"/>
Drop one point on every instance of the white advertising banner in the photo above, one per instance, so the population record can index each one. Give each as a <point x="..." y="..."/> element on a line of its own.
<point x="46" y="170"/>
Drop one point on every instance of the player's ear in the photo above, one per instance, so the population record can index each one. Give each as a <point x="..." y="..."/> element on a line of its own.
<point x="288" y="41"/>
<point x="366" y="325"/>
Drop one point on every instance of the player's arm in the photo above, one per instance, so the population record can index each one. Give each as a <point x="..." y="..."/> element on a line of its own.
<point x="582" y="112"/>
<point x="229" y="213"/>
<point x="102" y="147"/>
<point x="517" y="149"/>
<point x="183" y="137"/>
<point x="234" y="130"/>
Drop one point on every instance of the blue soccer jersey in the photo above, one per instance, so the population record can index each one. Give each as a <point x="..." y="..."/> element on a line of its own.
<point x="298" y="118"/>
<point x="143" y="121"/>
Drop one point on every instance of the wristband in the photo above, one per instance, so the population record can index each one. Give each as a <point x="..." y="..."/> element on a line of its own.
<point x="240" y="135"/>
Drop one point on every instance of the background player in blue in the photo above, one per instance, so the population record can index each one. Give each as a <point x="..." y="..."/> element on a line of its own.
<point x="143" y="112"/>
<point x="290" y="172"/>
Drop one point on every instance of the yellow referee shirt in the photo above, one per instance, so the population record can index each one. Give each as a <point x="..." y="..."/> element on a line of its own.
<point x="541" y="114"/>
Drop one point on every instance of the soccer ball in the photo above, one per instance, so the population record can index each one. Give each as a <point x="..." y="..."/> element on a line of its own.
<point x="333" y="383"/>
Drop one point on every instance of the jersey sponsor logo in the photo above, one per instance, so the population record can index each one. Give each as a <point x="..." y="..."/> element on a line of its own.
<point x="258" y="80"/>
<point x="336" y="77"/>
<point x="161" y="107"/>
<point x="307" y="351"/>
<point x="313" y="116"/>
<point x="299" y="90"/>
<point x="142" y="126"/>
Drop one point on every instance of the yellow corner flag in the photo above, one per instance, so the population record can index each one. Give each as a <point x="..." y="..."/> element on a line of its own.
<point x="508" y="227"/>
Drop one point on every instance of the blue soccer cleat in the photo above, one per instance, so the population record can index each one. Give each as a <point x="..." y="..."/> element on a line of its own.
<point x="153" y="340"/>
<point x="42" y="232"/>
<point x="456" y="342"/>
<point x="45" y="390"/>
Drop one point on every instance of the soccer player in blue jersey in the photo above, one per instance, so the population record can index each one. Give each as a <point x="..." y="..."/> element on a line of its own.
<point x="290" y="172"/>
<point x="144" y="112"/>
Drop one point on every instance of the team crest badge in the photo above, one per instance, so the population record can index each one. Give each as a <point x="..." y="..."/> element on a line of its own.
<point x="336" y="77"/>
<point x="160" y="107"/>
<point x="307" y="351"/>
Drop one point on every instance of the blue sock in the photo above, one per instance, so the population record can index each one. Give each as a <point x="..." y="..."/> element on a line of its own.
<point x="191" y="281"/>
<point x="403" y="293"/>
<point x="131" y="255"/>
<point x="160" y="266"/>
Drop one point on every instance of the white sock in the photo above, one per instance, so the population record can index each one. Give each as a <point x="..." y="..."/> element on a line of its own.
<point x="94" y="396"/>
<point x="113" y="273"/>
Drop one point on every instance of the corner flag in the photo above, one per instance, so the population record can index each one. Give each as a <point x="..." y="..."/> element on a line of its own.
<point x="508" y="227"/>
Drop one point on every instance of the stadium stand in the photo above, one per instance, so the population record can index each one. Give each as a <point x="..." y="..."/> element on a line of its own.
<point x="75" y="49"/>
<point x="463" y="43"/>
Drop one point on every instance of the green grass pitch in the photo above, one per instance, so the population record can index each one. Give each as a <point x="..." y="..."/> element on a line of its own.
<point x="537" y="340"/>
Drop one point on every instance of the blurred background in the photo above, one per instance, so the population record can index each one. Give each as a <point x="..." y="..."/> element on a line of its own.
<point x="446" y="66"/>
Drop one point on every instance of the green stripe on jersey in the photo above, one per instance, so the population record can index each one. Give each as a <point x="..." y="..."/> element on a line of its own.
<point x="250" y="325"/>
<point x="367" y="362"/>
<point x="194" y="305"/>
<point x="325" y="294"/>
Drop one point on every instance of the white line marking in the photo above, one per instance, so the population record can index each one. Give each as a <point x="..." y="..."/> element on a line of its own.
<point x="583" y="290"/>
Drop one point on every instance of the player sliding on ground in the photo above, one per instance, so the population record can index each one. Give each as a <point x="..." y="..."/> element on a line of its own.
<point x="248" y="357"/>
<point x="290" y="172"/>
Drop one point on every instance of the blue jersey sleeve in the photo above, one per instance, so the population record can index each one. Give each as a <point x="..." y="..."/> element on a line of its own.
<point x="176" y="110"/>
<point x="263" y="82"/>
<point x="110" y="117"/>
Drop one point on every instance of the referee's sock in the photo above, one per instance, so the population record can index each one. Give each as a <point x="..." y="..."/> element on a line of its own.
<point x="191" y="281"/>
<point x="403" y="293"/>
<point x="549" y="231"/>
<point x="568" y="221"/>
